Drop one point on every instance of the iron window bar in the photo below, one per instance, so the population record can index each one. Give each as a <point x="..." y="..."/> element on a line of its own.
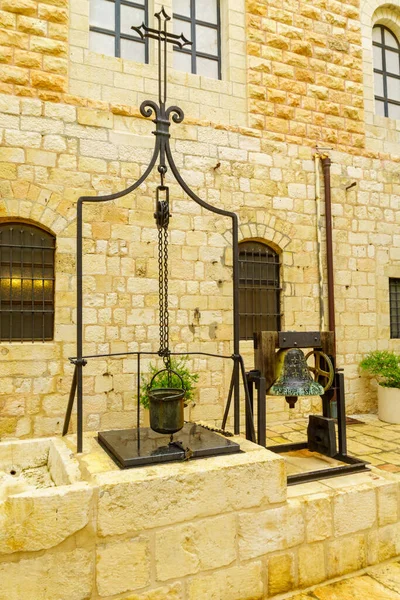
<point x="117" y="34"/>
<point x="384" y="71"/>
<point x="26" y="283"/>
<point x="193" y="22"/>
<point x="259" y="289"/>
<point x="394" y="301"/>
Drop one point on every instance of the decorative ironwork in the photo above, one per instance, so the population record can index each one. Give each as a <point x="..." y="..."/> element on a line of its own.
<point x="26" y="283"/>
<point x="259" y="289"/>
<point x="162" y="155"/>
<point x="394" y="299"/>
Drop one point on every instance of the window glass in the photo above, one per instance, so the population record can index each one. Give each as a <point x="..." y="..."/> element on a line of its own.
<point x="182" y="62"/>
<point x="394" y="300"/>
<point x="110" y="26"/>
<point x="199" y="21"/>
<point x="386" y="58"/>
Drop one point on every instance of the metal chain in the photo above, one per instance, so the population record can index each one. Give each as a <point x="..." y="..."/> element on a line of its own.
<point x="163" y="281"/>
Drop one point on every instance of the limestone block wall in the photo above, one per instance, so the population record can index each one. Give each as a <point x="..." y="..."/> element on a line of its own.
<point x="52" y="153"/>
<point x="184" y="531"/>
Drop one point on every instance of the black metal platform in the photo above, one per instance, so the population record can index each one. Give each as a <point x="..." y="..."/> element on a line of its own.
<point x="128" y="449"/>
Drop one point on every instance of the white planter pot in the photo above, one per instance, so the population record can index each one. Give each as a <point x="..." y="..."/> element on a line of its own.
<point x="389" y="404"/>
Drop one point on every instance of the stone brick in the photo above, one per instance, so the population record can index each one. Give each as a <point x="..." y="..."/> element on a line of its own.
<point x="123" y="566"/>
<point x="53" y="13"/>
<point x="318" y="517"/>
<point x="280" y="574"/>
<point x="45" y="520"/>
<point x="354" y="510"/>
<point x="22" y="7"/>
<point x="10" y="74"/>
<point x="345" y="555"/>
<point x="200" y="546"/>
<point x="271" y="530"/>
<point x="219" y="488"/>
<point x="48" y="81"/>
<point x="311" y="564"/>
<point x="64" y="575"/>
<point x="236" y="583"/>
<point x="14" y="155"/>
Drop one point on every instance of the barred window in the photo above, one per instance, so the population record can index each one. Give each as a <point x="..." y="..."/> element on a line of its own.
<point x="110" y="23"/>
<point x="394" y="299"/>
<point x="199" y="21"/>
<point x="259" y="289"/>
<point x="386" y="50"/>
<point x="26" y="283"/>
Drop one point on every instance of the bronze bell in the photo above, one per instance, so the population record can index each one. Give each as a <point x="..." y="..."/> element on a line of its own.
<point x="293" y="377"/>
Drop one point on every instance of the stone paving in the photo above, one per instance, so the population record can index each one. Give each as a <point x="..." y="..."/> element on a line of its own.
<point x="371" y="440"/>
<point x="378" y="583"/>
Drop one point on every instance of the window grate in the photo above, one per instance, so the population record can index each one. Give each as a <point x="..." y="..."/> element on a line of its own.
<point x="110" y="32"/>
<point x="200" y="22"/>
<point x="26" y="283"/>
<point x="259" y="289"/>
<point x="386" y="50"/>
<point x="394" y="300"/>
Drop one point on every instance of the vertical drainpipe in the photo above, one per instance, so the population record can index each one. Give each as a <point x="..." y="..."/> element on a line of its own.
<point x="326" y="167"/>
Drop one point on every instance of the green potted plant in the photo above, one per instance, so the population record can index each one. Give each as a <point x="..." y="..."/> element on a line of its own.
<point x="184" y="379"/>
<point x="385" y="367"/>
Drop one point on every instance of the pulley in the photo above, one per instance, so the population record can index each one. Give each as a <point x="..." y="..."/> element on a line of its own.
<point x="293" y="377"/>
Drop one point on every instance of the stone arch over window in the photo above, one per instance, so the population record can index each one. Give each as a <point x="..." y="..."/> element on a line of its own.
<point x="27" y="254"/>
<point x="375" y="13"/>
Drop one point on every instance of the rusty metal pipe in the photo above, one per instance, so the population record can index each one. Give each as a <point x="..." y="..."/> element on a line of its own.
<point x="326" y="167"/>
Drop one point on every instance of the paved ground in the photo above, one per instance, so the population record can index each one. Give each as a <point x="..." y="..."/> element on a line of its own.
<point x="379" y="583"/>
<point x="372" y="440"/>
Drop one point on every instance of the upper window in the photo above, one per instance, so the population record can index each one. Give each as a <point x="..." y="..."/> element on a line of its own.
<point x="199" y="21"/>
<point x="386" y="72"/>
<point x="110" y="28"/>
<point x="26" y="283"/>
<point x="259" y="289"/>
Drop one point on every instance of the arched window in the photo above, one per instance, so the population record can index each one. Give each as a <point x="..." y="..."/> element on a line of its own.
<point x="199" y="21"/>
<point x="259" y="289"/>
<point x="26" y="283"/>
<point x="386" y="72"/>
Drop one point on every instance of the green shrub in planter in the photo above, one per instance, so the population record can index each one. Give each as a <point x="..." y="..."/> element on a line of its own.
<point x="383" y="365"/>
<point x="179" y="365"/>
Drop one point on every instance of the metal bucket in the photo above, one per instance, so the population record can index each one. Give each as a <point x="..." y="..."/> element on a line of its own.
<point x="166" y="407"/>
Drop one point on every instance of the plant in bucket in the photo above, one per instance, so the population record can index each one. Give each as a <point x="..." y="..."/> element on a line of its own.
<point x="385" y="367"/>
<point x="165" y="392"/>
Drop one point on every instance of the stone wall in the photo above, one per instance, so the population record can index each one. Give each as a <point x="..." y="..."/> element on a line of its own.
<point x="238" y="150"/>
<point x="223" y="527"/>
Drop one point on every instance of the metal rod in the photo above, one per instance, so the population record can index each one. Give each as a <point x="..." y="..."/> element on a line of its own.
<point x="262" y="412"/>
<point x="138" y="403"/>
<point x="247" y="398"/>
<point x="319" y="244"/>
<point x="230" y="356"/>
<point x="229" y="401"/>
<point x="79" y="326"/>
<point x="326" y="166"/>
<point x="70" y="404"/>
<point x="341" y="413"/>
<point x="249" y="415"/>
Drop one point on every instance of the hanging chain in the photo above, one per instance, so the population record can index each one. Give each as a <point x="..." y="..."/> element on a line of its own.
<point x="162" y="219"/>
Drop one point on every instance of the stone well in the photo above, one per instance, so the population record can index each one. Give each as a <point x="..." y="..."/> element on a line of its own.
<point x="219" y="528"/>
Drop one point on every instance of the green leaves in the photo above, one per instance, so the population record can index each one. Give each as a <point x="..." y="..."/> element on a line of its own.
<point x="384" y="365"/>
<point x="178" y="364"/>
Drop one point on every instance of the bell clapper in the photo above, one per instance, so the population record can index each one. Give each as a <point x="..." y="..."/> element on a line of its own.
<point x="291" y="400"/>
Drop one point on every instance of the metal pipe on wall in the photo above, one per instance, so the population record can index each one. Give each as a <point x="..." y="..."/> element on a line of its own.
<point x="326" y="167"/>
<point x="317" y="159"/>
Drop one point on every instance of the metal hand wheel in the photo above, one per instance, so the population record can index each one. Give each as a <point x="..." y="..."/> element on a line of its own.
<point x="319" y="373"/>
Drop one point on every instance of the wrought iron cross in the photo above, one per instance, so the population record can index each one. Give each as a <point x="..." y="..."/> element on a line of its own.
<point x="163" y="37"/>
